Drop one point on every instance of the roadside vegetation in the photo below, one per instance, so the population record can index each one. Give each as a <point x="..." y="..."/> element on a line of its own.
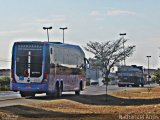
<point x="4" y="83"/>
<point x="107" y="54"/>
<point x="92" y="107"/>
<point x="141" y="93"/>
<point x="156" y="76"/>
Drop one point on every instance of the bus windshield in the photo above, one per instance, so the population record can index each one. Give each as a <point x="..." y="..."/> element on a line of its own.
<point x="29" y="60"/>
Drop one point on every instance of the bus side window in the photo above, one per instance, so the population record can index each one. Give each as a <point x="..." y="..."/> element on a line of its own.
<point x="51" y="51"/>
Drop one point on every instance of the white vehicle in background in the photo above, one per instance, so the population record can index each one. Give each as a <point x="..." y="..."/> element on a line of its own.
<point x="94" y="82"/>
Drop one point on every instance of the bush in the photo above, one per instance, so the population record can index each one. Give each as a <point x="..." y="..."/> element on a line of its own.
<point x="4" y="83"/>
<point x="4" y="80"/>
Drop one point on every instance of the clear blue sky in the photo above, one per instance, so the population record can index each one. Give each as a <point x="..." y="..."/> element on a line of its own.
<point x="87" y="20"/>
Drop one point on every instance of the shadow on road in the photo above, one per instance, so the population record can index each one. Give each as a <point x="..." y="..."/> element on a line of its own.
<point x="30" y="112"/>
<point x="111" y="100"/>
<point x="103" y="100"/>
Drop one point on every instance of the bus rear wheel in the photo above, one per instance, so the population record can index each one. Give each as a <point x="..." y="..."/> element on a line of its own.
<point x="58" y="90"/>
<point x="77" y="92"/>
<point x="142" y="85"/>
<point x="121" y="85"/>
<point x="135" y="85"/>
<point x="22" y="94"/>
<point x="25" y="94"/>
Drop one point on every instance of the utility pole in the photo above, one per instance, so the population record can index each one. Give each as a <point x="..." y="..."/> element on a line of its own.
<point x="148" y="68"/>
<point x="123" y="34"/>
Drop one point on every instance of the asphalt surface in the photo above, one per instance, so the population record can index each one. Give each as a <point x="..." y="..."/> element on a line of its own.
<point x="14" y="98"/>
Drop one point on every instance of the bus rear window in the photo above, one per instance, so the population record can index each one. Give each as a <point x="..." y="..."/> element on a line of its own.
<point x="29" y="57"/>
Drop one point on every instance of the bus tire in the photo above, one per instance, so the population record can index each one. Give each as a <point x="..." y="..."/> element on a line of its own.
<point x="49" y="94"/>
<point x="22" y="94"/>
<point x="25" y="94"/>
<point x="135" y="85"/>
<point x="142" y="85"/>
<point x="81" y="85"/>
<point x="58" y="90"/>
<point x="32" y="95"/>
<point x="77" y="92"/>
<point x="121" y="85"/>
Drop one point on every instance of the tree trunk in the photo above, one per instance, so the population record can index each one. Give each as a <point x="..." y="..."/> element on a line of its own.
<point x="106" y="81"/>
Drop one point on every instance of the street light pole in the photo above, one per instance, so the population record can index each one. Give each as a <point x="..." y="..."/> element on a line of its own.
<point x="47" y="28"/>
<point x="63" y="31"/>
<point x="123" y="34"/>
<point x="148" y="67"/>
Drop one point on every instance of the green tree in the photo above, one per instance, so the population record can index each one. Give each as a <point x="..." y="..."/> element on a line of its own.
<point x="156" y="76"/>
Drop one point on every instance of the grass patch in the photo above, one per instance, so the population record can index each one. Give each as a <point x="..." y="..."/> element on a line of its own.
<point x="70" y="110"/>
<point x="92" y="107"/>
<point x="144" y="93"/>
<point x="68" y="106"/>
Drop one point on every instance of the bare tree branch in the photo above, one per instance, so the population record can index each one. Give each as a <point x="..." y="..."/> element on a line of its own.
<point x="109" y="53"/>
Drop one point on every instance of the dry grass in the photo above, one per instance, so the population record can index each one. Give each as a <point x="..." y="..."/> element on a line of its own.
<point x="145" y="93"/>
<point x="6" y="116"/>
<point x="79" y="107"/>
<point x="70" y="110"/>
<point x="68" y="106"/>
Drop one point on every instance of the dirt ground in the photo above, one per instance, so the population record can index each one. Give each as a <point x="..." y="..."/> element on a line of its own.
<point x="145" y="105"/>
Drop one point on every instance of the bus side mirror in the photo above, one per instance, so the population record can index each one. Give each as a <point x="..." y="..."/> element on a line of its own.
<point x="86" y="65"/>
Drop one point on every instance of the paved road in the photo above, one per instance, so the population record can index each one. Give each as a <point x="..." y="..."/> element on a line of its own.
<point x="97" y="90"/>
<point x="14" y="98"/>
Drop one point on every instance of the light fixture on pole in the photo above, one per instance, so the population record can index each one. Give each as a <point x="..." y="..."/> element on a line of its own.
<point x="148" y="68"/>
<point x="64" y="28"/>
<point x="47" y="28"/>
<point x="123" y="34"/>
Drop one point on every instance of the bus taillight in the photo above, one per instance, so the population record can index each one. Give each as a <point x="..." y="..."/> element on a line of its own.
<point x="46" y="76"/>
<point x="26" y="74"/>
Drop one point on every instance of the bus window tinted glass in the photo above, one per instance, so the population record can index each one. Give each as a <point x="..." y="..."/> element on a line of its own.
<point x="32" y="61"/>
